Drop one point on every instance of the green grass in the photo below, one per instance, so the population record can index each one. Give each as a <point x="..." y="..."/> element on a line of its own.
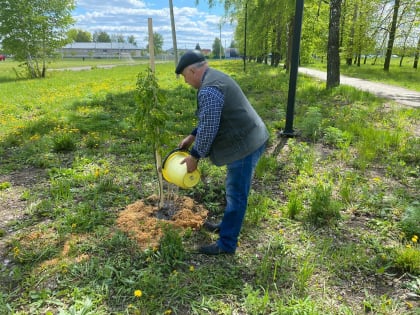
<point x="330" y="227"/>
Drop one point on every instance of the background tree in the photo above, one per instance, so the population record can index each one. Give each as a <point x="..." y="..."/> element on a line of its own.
<point x="392" y="34"/>
<point x="197" y="47"/>
<point x="101" y="37"/>
<point x="217" y="47"/>
<point x="83" y="37"/>
<point x="416" y="55"/>
<point x="79" y="36"/>
<point x="131" y="40"/>
<point x="333" y="53"/>
<point x="157" y="42"/>
<point x="32" y="30"/>
<point x="362" y="28"/>
<point x="117" y="38"/>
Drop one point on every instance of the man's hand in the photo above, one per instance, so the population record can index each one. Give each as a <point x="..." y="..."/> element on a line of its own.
<point x="191" y="162"/>
<point x="186" y="142"/>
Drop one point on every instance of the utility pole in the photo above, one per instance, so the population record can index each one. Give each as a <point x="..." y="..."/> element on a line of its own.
<point x="246" y="22"/>
<point x="171" y="9"/>
<point x="220" y="48"/>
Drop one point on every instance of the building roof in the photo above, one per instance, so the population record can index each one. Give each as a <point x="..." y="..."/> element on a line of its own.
<point x="93" y="45"/>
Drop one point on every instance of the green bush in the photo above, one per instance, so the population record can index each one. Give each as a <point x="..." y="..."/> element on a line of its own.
<point x="311" y="123"/>
<point x="171" y="250"/>
<point x="336" y="137"/>
<point x="294" y="204"/>
<point x="259" y="206"/>
<point x="323" y="209"/>
<point x="64" y="140"/>
<point x="407" y="259"/>
<point x="410" y="221"/>
<point x="5" y="185"/>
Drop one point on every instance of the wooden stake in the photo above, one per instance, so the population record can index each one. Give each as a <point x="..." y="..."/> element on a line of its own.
<point x="151" y="45"/>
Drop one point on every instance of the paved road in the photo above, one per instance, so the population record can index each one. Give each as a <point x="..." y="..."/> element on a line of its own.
<point x="399" y="95"/>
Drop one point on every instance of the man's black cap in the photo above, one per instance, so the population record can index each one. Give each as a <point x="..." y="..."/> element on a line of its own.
<point x="189" y="58"/>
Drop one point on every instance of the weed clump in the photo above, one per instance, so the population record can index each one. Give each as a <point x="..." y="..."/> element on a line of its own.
<point x="324" y="210"/>
<point x="410" y="220"/>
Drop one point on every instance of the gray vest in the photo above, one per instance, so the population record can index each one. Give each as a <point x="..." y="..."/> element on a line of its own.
<point x="241" y="130"/>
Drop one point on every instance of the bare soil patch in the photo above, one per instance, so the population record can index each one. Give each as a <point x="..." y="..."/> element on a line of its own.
<point x="143" y="220"/>
<point x="12" y="202"/>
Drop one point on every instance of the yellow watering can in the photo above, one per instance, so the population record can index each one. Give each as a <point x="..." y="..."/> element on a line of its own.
<point x="176" y="173"/>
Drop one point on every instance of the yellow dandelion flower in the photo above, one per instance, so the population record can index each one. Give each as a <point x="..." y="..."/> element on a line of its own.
<point x="408" y="304"/>
<point x="408" y="245"/>
<point x="191" y="268"/>
<point x="415" y="238"/>
<point x="138" y="293"/>
<point x="16" y="252"/>
<point x="74" y="225"/>
<point x="168" y="312"/>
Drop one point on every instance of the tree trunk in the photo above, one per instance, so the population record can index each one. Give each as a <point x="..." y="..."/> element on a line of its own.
<point x="276" y="47"/>
<point x="401" y="60"/>
<point x="392" y="35"/>
<point x="333" y="53"/>
<point x="289" y="44"/>
<point x="416" y="56"/>
<point x="350" y="44"/>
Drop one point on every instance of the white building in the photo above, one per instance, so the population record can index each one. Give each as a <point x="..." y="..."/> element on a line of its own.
<point x="101" y="50"/>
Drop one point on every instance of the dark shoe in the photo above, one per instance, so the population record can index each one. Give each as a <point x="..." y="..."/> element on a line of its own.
<point x="211" y="227"/>
<point x="212" y="249"/>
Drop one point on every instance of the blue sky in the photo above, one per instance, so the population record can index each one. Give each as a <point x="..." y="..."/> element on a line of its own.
<point x="194" y="24"/>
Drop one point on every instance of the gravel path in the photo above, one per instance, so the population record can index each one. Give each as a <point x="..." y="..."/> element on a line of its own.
<point x="398" y="94"/>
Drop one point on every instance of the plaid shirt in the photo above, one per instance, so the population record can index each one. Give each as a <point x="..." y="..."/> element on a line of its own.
<point x="210" y="105"/>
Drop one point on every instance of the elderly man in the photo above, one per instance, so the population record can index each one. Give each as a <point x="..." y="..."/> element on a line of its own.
<point x="229" y="132"/>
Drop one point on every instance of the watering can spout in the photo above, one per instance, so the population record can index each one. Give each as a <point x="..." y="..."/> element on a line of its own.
<point x="176" y="173"/>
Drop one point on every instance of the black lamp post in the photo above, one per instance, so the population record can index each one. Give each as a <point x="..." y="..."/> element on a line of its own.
<point x="288" y="131"/>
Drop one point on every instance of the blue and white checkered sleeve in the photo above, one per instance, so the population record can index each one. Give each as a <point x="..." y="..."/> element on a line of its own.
<point x="210" y="100"/>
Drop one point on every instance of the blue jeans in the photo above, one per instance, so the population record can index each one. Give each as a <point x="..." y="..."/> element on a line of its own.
<point x="238" y="184"/>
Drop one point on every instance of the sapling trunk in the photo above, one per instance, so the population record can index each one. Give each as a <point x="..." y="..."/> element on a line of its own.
<point x="158" y="160"/>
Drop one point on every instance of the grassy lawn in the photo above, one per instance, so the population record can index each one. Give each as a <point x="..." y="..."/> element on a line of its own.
<point x="332" y="221"/>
